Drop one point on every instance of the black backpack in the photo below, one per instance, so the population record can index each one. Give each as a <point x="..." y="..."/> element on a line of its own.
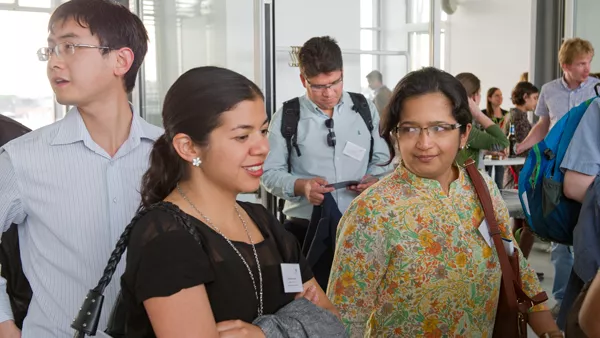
<point x="289" y="129"/>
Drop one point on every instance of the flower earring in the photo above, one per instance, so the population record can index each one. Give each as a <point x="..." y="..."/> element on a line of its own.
<point x="196" y="162"/>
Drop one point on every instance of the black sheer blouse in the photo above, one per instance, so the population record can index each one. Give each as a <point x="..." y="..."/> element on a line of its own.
<point x="163" y="258"/>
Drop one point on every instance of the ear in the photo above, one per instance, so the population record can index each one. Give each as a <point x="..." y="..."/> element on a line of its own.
<point x="185" y="147"/>
<point x="465" y="137"/>
<point x="303" y="80"/>
<point x="125" y="59"/>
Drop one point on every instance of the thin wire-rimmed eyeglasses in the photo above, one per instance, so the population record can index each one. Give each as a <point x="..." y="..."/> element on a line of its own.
<point x="63" y="49"/>
<point x="331" y="134"/>
<point x="320" y="88"/>
<point x="435" y="131"/>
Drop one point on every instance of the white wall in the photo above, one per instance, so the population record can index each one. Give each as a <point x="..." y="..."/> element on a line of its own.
<point x="298" y="21"/>
<point x="587" y="26"/>
<point x="491" y="39"/>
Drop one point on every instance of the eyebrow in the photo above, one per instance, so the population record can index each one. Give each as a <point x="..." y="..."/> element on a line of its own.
<point x="65" y="36"/>
<point x="433" y="123"/>
<point x="247" y="126"/>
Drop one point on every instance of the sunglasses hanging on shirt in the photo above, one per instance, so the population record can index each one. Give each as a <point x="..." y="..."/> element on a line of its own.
<point x="331" y="134"/>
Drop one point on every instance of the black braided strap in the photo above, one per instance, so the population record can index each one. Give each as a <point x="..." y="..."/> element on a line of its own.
<point x="88" y="317"/>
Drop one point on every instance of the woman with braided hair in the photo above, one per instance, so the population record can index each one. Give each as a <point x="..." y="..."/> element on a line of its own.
<point x="231" y="262"/>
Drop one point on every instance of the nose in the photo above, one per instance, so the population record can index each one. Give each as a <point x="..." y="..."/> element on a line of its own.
<point x="55" y="62"/>
<point x="424" y="140"/>
<point x="261" y="147"/>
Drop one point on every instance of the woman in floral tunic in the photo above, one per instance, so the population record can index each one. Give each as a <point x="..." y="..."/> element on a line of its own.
<point x="410" y="260"/>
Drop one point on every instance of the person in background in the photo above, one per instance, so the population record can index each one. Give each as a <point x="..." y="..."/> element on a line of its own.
<point x="410" y="260"/>
<point x="72" y="186"/>
<point x="556" y="99"/>
<point x="382" y="92"/>
<point x="333" y="141"/>
<point x="493" y="108"/>
<point x="491" y="137"/>
<point x="17" y="286"/>
<point x="524" y="96"/>
<point x="174" y="286"/>
<point x="497" y="115"/>
<point x="524" y="77"/>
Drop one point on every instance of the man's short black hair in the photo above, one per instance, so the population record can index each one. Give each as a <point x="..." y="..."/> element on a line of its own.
<point x="114" y="24"/>
<point x="320" y="55"/>
<point x="375" y="75"/>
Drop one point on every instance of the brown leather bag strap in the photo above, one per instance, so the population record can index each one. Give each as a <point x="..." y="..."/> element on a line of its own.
<point x="488" y="209"/>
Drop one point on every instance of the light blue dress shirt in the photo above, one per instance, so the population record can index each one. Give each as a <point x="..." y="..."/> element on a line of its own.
<point x="71" y="202"/>
<point x="319" y="159"/>
<point x="556" y="98"/>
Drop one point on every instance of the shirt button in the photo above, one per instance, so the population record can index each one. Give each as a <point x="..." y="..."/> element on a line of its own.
<point x="115" y="200"/>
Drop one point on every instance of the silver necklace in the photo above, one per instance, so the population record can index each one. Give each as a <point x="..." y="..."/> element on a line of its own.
<point x="259" y="295"/>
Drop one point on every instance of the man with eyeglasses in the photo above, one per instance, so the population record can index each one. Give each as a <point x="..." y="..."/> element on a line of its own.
<point x="332" y="142"/>
<point x="71" y="187"/>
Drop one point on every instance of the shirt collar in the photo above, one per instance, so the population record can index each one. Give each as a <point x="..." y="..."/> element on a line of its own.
<point x="429" y="185"/>
<point x="73" y="129"/>
<point x="339" y="105"/>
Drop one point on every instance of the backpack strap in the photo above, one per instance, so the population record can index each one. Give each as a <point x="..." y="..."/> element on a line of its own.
<point x="361" y="106"/>
<point x="289" y="128"/>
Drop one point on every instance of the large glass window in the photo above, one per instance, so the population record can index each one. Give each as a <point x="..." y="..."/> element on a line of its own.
<point x="25" y="93"/>
<point x="369" y="40"/>
<point x="193" y="33"/>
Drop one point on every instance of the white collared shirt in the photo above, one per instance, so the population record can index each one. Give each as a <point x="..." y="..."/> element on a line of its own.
<point x="71" y="201"/>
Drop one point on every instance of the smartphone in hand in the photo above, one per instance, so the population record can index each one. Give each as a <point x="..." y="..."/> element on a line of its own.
<point x="340" y="185"/>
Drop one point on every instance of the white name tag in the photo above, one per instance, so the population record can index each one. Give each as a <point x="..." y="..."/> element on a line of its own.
<point x="485" y="232"/>
<point x="354" y="151"/>
<point x="292" y="279"/>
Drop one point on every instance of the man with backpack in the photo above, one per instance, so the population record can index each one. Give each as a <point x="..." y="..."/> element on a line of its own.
<point x="326" y="136"/>
<point x="72" y="187"/>
<point x="555" y="100"/>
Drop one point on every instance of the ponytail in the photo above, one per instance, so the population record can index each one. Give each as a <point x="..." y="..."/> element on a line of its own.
<point x="166" y="169"/>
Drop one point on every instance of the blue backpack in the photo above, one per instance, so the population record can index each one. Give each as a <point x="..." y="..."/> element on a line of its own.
<point x="549" y="213"/>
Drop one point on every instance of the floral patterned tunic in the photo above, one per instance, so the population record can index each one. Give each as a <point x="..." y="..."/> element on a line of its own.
<point x="411" y="262"/>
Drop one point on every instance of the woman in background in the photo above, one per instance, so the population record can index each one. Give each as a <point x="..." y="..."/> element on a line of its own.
<point x="493" y="108"/>
<point x="524" y="97"/>
<point x="497" y="115"/>
<point x="491" y="137"/>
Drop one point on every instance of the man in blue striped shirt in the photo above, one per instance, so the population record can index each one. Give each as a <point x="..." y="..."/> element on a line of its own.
<point x="73" y="186"/>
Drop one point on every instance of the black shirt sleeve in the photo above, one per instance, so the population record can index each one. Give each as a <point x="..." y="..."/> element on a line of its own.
<point x="169" y="263"/>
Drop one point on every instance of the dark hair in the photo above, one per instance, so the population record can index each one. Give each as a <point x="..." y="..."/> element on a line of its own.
<point x="320" y="55"/>
<point x="420" y="82"/>
<point x="193" y="106"/>
<point x="521" y="89"/>
<point x="471" y="83"/>
<point x="375" y="75"/>
<point x="490" y="109"/>
<point x="114" y="24"/>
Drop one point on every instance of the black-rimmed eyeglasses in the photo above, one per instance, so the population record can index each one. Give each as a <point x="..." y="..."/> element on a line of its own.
<point x="331" y="134"/>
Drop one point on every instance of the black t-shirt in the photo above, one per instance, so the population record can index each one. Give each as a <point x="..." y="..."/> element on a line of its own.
<point x="163" y="258"/>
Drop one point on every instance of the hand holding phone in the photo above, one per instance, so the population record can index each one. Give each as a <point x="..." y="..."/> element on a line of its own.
<point x="344" y="184"/>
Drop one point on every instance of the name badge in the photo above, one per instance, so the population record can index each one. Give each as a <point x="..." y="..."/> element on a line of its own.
<point x="485" y="232"/>
<point x="354" y="151"/>
<point x="292" y="279"/>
